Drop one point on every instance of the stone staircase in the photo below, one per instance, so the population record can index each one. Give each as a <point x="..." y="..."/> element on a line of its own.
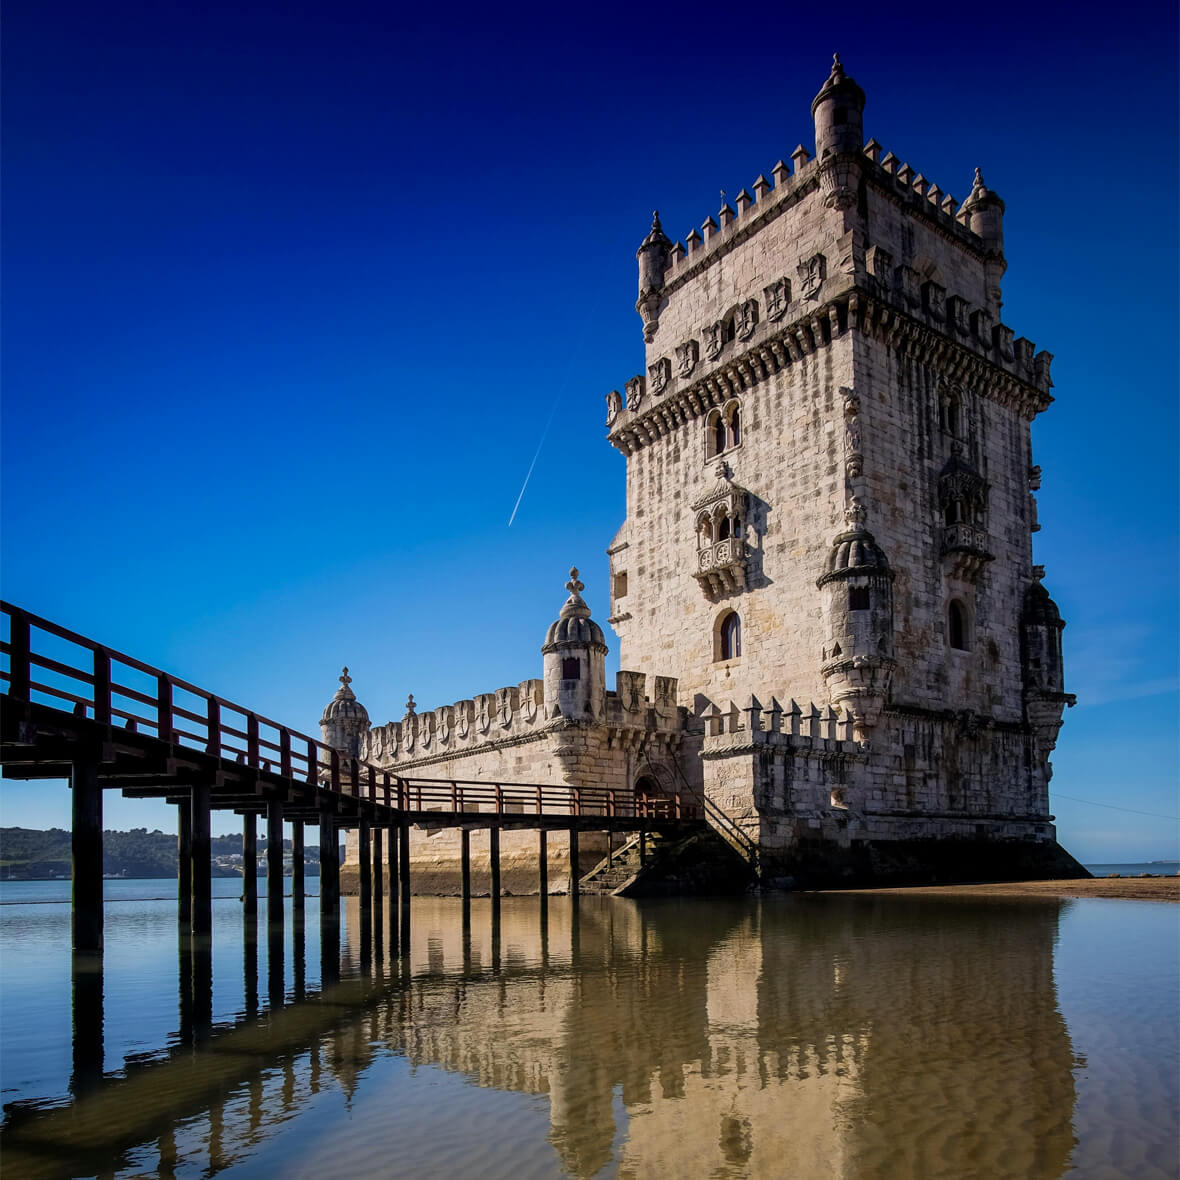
<point x="611" y="873"/>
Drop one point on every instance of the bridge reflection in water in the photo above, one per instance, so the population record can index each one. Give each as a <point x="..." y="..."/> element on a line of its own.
<point x="806" y="1036"/>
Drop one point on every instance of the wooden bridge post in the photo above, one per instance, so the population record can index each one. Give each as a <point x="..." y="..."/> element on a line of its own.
<point x="543" y="843"/>
<point x="393" y="869"/>
<point x="202" y="874"/>
<point x="184" y="863"/>
<point x="403" y="863"/>
<point x="575" y="872"/>
<point x="365" y="858"/>
<point x="379" y="868"/>
<point x="329" y="869"/>
<point x="298" y="874"/>
<point x="86" y="855"/>
<point x="274" y="865"/>
<point x="494" y="857"/>
<point x="642" y="847"/>
<point x="250" y="866"/>
<point x="88" y="1024"/>
<point x="465" y="863"/>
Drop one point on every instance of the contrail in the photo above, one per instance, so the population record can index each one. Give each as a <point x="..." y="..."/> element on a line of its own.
<point x="557" y="401"/>
<point x="536" y="456"/>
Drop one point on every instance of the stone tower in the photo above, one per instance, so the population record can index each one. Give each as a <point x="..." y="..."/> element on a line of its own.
<point x="825" y="359"/>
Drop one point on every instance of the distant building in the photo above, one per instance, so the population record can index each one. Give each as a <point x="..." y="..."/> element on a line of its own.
<point x="824" y="591"/>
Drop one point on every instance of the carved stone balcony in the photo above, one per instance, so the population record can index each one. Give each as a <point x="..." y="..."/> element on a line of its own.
<point x="721" y="568"/>
<point x="964" y="550"/>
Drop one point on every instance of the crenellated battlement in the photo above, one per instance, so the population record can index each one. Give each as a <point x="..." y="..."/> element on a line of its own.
<point x="513" y="713"/>
<point x="729" y="727"/>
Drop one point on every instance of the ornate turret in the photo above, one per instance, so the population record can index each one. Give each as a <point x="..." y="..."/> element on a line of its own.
<point x="345" y="721"/>
<point x="858" y="619"/>
<point x="575" y="654"/>
<point x="838" y="111"/>
<point x="983" y="213"/>
<point x="1045" y="697"/>
<point x="653" y="261"/>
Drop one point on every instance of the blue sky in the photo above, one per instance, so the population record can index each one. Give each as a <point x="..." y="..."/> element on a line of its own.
<point x="291" y="291"/>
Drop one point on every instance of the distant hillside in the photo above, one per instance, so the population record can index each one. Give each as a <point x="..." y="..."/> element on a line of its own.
<point x="28" y="855"/>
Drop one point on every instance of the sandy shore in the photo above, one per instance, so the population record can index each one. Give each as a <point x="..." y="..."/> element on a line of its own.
<point x="1135" y="888"/>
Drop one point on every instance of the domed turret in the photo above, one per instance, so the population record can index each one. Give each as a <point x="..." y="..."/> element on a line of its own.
<point x="983" y="213"/>
<point x="838" y="111"/>
<point x="345" y="720"/>
<point x="575" y="660"/>
<point x="653" y="261"/>
<point x="1045" y="698"/>
<point x="857" y="588"/>
<point x="1040" y="633"/>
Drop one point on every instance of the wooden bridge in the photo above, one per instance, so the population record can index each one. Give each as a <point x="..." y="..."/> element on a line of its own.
<point x="75" y="709"/>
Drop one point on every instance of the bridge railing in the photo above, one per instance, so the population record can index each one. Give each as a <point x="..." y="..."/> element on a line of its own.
<point x="454" y="796"/>
<point x="51" y="665"/>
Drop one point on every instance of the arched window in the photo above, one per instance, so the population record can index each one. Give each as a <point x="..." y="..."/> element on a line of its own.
<point x="718" y="435"/>
<point x="731" y="636"/>
<point x="723" y="529"/>
<point x="957" y="626"/>
<point x="735" y="426"/>
<point x="704" y="532"/>
<point x="571" y="668"/>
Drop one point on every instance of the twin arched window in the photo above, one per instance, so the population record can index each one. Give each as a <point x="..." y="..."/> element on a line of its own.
<point x="723" y="429"/>
<point x="730" y="636"/>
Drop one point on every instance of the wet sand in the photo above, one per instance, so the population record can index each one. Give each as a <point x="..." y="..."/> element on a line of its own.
<point x="1133" y="888"/>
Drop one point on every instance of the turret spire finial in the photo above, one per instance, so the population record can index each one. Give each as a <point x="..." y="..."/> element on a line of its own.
<point x="573" y="585"/>
<point x="410" y="707"/>
<point x="345" y="679"/>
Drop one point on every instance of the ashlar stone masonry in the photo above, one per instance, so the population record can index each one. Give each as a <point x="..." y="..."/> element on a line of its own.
<point x="825" y="578"/>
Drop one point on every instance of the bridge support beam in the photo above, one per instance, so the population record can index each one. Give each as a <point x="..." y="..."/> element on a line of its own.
<point x="86" y="856"/>
<point x="393" y="869"/>
<point x="543" y="862"/>
<point x="378" y="868"/>
<point x="403" y="863"/>
<point x="274" y="865"/>
<point x="298" y="875"/>
<point x="465" y="862"/>
<point x="184" y="863"/>
<point x="575" y="872"/>
<point x="365" y="865"/>
<point x="329" y="869"/>
<point x="494" y="858"/>
<point x="201" y="877"/>
<point x="249" y="866"/>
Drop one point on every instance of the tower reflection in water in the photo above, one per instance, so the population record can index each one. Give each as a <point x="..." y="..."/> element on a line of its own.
<point x="805" y="1036"/>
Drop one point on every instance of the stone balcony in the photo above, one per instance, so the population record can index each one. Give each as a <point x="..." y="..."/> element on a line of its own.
<point x="721" y="568"/>
<point x="965" y="550"/>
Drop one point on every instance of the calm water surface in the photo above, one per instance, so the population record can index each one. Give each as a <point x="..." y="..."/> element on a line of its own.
<point x="802" y="1036"/>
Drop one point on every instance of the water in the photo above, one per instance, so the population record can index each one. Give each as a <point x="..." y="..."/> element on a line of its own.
<point x="802" y="1036"/>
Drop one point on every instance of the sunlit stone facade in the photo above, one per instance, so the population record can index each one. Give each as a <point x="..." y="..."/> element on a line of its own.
<point x="824" y="591"/>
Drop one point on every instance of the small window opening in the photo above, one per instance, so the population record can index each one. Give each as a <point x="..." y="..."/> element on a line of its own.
<point x="735" y="427"/>
<point x="957" y="625"/>
<point x="621" y="584"/>
<point x="723" y="529"/>
<point x="729" y="332"/>
<point x="731" y="636"/>
<point x="858" y="598"/>
<point x="571" y="668"/>
<point x="954" y="415"/>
